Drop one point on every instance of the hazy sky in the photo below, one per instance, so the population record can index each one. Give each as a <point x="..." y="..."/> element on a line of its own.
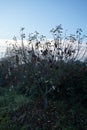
<point x="41" y="15"/>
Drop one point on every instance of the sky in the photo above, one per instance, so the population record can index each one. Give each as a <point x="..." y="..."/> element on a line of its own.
<point x="41" y="16"/>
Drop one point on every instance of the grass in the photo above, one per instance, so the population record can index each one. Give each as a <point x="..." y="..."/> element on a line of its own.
<point x="10" y="101"/>
<point x="18" y="112"/>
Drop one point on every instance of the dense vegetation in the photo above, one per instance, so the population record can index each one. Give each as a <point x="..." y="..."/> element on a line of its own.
<point x="43" y="86"/>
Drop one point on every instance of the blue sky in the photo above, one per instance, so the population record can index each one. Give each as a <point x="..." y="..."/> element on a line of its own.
<point x="41" y="15"/>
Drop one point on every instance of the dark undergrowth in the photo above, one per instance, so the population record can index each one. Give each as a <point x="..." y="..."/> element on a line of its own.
<point x="23" y="108"/>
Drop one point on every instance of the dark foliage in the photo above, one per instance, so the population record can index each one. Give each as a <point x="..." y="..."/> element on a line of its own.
<point x="40" y="92"/>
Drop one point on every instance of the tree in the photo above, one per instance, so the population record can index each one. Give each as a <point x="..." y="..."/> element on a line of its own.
<point x="68" y="47"/>
<point x="43" y="65"/>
